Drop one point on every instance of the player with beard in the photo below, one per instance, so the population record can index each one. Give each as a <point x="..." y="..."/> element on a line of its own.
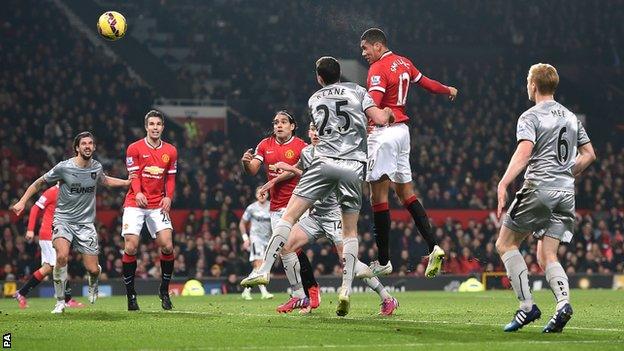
<point x="75" y="213"/>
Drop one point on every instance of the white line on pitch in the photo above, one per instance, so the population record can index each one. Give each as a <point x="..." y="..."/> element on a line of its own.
<point x="382" y="320"/>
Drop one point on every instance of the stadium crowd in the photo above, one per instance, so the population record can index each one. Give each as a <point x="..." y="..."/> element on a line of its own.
<point x="51" y="89"/>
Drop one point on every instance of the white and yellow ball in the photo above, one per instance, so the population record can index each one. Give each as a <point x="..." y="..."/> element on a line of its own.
<point x="112" y="25"/>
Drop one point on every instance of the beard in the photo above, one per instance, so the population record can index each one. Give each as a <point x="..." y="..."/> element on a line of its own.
<point x="84" y="156"/>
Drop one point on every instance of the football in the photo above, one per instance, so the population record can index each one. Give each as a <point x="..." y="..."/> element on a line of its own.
<point x="112" y="25"/>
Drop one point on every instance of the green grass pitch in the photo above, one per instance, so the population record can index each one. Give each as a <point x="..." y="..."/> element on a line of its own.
<point x="425" y="321"/>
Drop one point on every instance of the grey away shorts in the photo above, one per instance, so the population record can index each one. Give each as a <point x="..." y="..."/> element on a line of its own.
<point x="83" y="237"/>
<point x="326" y="175"/>
<point x="542" y="212"/>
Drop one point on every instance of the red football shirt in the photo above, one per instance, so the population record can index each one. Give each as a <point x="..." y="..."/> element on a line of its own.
<point x="47" y="203"/>
<point x="392" y="75"/>
<point x="269" y="151"/>
<point x="153" y="165"/>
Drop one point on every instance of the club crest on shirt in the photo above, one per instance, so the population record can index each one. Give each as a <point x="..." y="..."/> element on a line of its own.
<point x="165" y="158"/>
<point x="93" y="175"/>
<point x="375" y="80"/>
<point x="289" y="154"/>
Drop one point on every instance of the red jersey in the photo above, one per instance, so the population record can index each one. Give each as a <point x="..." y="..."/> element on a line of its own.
<point x="392" y="75"/>
<point x="155" y="167"/>
<point x="46" y="203"/>
<point x="269" y="151"/>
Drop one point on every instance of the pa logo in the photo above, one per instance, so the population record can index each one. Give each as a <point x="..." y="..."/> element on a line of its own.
<point x="6" y="341"/>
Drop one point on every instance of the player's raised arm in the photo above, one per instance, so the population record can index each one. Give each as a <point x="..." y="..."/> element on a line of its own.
<point x="435" y="87"/>
<point x="251" y="163"/>
<point x="33" y="188"/>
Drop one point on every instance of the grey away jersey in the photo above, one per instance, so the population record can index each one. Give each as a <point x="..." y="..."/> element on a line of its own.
<point x="556" y="133"/>
<point x="76" y="198"/>
<point x="338" y="113"/>
<point x="260" y="219"/>
<point x="328" y="207"/>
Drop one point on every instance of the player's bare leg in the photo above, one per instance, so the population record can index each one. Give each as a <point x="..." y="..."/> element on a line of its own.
<point x="296" y="208"/>
<point x="164" y="239"/>
<point x="507" y="246"/>
<point x="59" y="274"/>
<point x="381" y="219"/>
<point x="558" y="280"/>
<point x="94" y="269"/>
<point x="409" y="200"/>
<point x="349" y="259"/>
<point x="131" y="244"/>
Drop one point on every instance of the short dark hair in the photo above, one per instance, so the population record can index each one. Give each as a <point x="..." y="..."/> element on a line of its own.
<point x="155" y="113"/>
<point x="375" y="35"/>
<point x="81" y="136"/>
<point x="328" y="68"/>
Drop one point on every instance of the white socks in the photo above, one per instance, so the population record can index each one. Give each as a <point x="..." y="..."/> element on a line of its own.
<point x="59" y="276"/>
<point x="293" y="272"/>
<point x="517" y="271"/>
<point x="558" y="280"/>
<point x="275" y="246"/>
<point x="373" y="282"/>
<point x="349" y="254"/>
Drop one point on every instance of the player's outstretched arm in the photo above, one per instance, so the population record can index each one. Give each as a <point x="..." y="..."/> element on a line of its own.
<point x="435" y="87"/>
<point x="113" y="182"/>
<point x="518" y="162"/>
<point x="379" y="116"/>
<point x="33" y="188"/>
<point x="585" y="157"/>
<point x="250" y="164"/>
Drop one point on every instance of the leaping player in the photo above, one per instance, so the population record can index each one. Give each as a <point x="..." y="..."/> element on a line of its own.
<point x="325" y="221"/>
<point x="339" y="112"/>
<point x="153" y="164"/>
<point x="389" y="79"/>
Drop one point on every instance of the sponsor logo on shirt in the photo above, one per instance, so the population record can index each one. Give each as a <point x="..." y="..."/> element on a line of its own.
<point x="154" y="170"/>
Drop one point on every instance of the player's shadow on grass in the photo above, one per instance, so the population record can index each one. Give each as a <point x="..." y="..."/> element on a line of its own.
<point x="125" y="315"/>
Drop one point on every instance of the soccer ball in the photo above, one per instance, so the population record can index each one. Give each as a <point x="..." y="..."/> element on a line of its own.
<point x="112" y="25"/>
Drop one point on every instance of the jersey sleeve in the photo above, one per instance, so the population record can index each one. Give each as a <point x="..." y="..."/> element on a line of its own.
<point x="173" y="162"/>
<point x="43" y="201"/>
<point x="101" y="176"/>
<point x="305" y="159"/>
<point x="260" y="151"/>
<point x="247" y="214"/>
<point x="526" y="129"/>
<point x="132" y="159"/>
<point x="55" y="174"/>
<point x="415" y="74"/>
<point x="582" y="137"/>
<point x="367" y="100"/>
<point x="376" y="80"/>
